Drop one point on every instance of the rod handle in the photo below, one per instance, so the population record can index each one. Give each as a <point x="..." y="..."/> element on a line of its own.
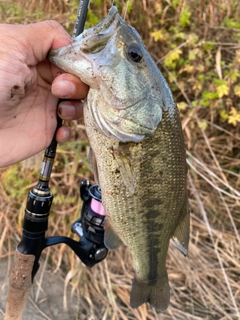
<point x="19" y="286"/>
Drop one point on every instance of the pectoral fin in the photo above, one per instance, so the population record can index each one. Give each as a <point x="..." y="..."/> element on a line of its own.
<point x="181" y="234"/>
<point x="127" y="172"/>
<point x="111" y="239"/>
<point x="93" y="164"/>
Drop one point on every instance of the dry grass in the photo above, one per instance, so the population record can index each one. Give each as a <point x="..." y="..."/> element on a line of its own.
<point x="205" y="285"/>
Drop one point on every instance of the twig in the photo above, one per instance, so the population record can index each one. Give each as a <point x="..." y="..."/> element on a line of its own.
<point x="39" y="310"/>
<point x="211" y="183"/>
<point x="211" y="173"/>
<point x="204" y="214"/>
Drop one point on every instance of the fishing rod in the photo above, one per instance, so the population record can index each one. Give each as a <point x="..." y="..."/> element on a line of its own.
<point x="89" y="227"/>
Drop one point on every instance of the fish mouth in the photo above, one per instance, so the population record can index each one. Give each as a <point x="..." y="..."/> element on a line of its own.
<point x="96" y="38"/>
<point x="104" y="24"/>
<point x="91" y="41"/>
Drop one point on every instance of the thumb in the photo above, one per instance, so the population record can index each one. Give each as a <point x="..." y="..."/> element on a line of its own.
<point x="42" y="37"/>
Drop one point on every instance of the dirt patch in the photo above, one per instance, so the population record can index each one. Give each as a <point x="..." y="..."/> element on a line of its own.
<point x="47" y="296"/>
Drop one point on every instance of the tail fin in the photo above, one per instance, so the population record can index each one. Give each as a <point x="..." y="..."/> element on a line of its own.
<point x="157" y="294"/>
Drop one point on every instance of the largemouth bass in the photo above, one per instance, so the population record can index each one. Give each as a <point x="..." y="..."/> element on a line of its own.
<point x="138" y="153"/>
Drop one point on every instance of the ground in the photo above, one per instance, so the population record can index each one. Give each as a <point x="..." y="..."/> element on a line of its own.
<point x="50" y="301"/>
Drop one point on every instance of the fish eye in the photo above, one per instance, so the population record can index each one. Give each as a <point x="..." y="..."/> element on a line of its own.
<point x="134" y="53"/>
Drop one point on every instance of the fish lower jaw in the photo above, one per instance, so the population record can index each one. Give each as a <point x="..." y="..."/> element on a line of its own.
<point x="116" y="131"/>
<point x="126" y="137"/>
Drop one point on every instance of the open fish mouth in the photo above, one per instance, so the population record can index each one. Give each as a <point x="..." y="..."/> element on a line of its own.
<point x="91" y="40"/>
<point x="95" y="39"/>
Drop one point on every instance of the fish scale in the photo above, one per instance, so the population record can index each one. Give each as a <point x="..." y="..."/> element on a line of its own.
<point x="138" y="154"/>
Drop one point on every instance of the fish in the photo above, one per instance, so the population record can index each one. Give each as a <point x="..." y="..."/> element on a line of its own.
<point x="137" y="153"/>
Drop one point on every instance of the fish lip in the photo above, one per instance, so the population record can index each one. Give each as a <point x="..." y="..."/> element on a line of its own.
<point x="104" y="24"/>
<point x="95" y="39"/>
<point x="92" y="37"/>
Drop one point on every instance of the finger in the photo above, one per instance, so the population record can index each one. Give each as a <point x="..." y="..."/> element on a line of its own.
<point x="70" y="110"/>
<point x="42" y="37"/>
<point x="68" y="86"/>
<point x="63" y="134"/>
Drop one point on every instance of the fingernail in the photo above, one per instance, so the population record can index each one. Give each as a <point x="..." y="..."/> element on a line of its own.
<point x="63" y="89"/>
<point x="66" y="110"/>
<point x="65" y="135"/>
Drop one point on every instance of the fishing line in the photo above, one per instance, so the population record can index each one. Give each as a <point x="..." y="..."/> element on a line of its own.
<point x="126" y="10"/>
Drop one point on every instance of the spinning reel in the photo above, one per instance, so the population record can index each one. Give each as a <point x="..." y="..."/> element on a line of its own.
<point x="89" y="227"/>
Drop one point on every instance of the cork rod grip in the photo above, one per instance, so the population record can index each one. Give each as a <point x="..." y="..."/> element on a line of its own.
<point x="19" y="286"/>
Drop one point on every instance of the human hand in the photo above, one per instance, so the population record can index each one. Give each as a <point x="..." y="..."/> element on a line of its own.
<point x="28" y="93"/>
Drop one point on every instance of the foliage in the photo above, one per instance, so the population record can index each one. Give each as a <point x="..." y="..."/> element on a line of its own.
<point x="16" y="184"/>
<point x="199" y="53"/>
